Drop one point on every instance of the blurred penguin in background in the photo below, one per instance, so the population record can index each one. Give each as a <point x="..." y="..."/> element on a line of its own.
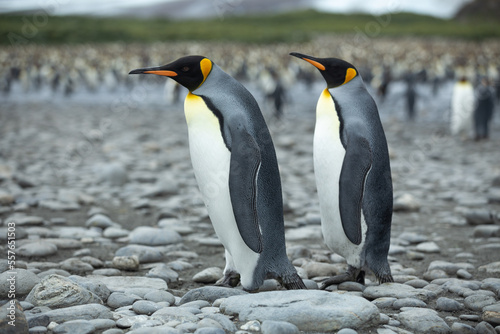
<point x="485" y="103"/>
<point x="411" y="96"/>
<point x="462" y="108"/>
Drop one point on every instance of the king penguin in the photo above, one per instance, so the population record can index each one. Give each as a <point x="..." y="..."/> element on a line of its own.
<point x="352" y="171"/>
<point x="236" y="169"/>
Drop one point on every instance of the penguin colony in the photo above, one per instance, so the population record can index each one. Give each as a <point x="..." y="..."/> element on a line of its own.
<point x="236" y="169"/>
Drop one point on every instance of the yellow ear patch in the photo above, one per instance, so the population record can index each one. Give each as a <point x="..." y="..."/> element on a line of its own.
<point x="349" y="74"/>
<point x="206" y="67"/>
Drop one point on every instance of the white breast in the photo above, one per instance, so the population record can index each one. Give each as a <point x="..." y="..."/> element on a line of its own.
<point x="211" y="159"/>
<point x="328" y="158"/>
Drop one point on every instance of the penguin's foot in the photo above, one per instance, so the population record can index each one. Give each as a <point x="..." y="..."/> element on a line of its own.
<point x="292" y="282"/>
<point x="385" y="278"/>
<point x="351" y="275"/>
<point x="230" y="280"/>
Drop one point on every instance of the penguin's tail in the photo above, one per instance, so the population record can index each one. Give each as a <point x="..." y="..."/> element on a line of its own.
<point x="292" y="282"/>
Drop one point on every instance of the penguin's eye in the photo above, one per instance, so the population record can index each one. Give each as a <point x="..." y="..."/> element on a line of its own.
<point x="185" y="69"/>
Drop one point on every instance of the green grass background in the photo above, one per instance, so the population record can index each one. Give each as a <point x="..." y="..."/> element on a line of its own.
<point x="290" y="27"/>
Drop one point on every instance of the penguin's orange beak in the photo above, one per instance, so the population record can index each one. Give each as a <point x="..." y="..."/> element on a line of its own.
<point x="309" y="59"/>
<point x="154" y="70"/>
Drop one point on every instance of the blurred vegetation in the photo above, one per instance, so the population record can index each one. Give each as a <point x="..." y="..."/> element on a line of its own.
<point x="289" y="27"/>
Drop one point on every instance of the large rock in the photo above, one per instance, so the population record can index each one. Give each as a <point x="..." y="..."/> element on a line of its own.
<point x="422" y="320"/>
<point x="20" y="284"/>
<point x="12" y="319"/>
<point x="309" y="310"/>
<point x="57" y="291"/>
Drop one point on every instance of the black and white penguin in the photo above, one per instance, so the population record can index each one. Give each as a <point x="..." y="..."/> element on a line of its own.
<point x="235" y="165"/>
<point x="352" y="170"/>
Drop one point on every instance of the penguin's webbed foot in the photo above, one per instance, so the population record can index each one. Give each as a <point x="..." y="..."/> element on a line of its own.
<point x="229" y="280"/>
<point x="292" y="282"/>
<point x="387" y="278"/>
<point x="351" y="275"/>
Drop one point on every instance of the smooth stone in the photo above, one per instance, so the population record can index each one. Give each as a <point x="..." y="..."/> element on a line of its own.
<point x="181" y="314"/>
<point x="76" y="265"/>
<point x="491" y="314"/>
<point x="122" y="283"/>
<point x="94" y="262"/>
<point x="207" y="322"/>
<point x="406" y="203"/>
<point x="469" y="317"/>
<point x="22" y="220"/>
<point x="252" y="325"/>
<point x="319" y="269"/>
<point x="107" y="272"/>
<point x="12" y="313"/>
<point x="459" y="328"/>
<point x="422" y="320"/>
<point x="113" y="232"/>
<point x="99" y="220"/>
<point x="384" y="302"/>
<point x="347" y="331"/>
<point x="64" y="243"/>
<point x="486" y="231"/>
<point x="57" y="291"/>
<point x="180" y="265"/>
<point x="479" y="216"/>
<point x="408" y="302"/>
<point x="114" y="174"/>
<point x="102" y="324"/>
<point x="78" y="312"/>
<point x="396" y="290"/>
<point x="183" y="254"/>
<point x="415" y="256"/>
<point x="146" y="235"/>
<point x="164" y="329"/>
<point x="146" y="254"/>
<point x="485" y="328"/>
<point x="24" y="280"/>
<point x="417" y="283"/>
<point x="448" y="267"/>
<point x="59" y="206"/>
<point x="145" y="307"/>
<point x="199" y="304"/>
<point x="448" y="305"/>
<point x="435" y="274"/>
<point x="129" y="263"/>
<point x="477" y="302"/>
<point x="491" y="268"/>
<point x="127" y="322"/>
<point x="208" y="275"/>
<point x="26" y="306"/>
<point x="160" y="296"/>
<point x="37" y="249"/>
<point x="428" y="247"/>
<point x="37" y="330"/>
<point x="210" y="294"/>
<point x="309" y="310"/>
<point x="413" y="238"/>
<point x="462" y="273"/>
<point x="120" y="299"/>
<point x="351" y="286"/>
<point x="209" y="330"/>
<point x="163" y="272"/>
<point x="224" y="321"/>
<point x="97" y="287"/>
<point x="75" y="327"/>
<point x="278" y="327"/>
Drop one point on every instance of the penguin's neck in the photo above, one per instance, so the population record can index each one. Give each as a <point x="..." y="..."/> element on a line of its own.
<point x="326" y="111"/>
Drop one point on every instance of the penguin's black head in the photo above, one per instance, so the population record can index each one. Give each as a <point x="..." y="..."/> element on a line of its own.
<point x="336" y="72"/>
<point x="190" y="71"/>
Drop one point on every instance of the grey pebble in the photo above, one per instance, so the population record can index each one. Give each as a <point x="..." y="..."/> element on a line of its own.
<point x="75" y="327"/>
<point x="102" y="324"/>
<point x="23" y="279"/>
<point x="485" y="328"/>
<point x="422" y="320"/>
<point x="95" y="286"/>
<point x="119" y="299"/>
<point x="114" y="174"/>
<point x="210" y="323"/>
<point x="435" y="274"/>
<point x="417" y="283"/>
<point x="491" y="314"/>
<point x="209" y="330"/>
<point x="127" y="322"/>
<point x="408" y="302"/>
<point x="107" y="272"/>
<point x="278" y="327"/>
<point x="76" y="265"/>
<point x="428" y="247"/>
<point x="210" y="294"/>
<point x="37" y="249"/>
<point x="122" y="283"/>
<point x="462" y="273"/>
<point x="181" y="314"/>
<point x="396" y="290"/>
<point x="160" y="296"/>
<point x="347" y="331"/>
<point x="477" y="302"/>
<point x="351" y="286"/>
<point x="494" y="267"/>
<point x="146" y="235"/>
<point x="38" y="330"/>
<point x="415" y="256"/>
<point x="82" y="252"/>
<point x="163" y="272"/>
<point x="224" y="321"/>
<point x="384" y="302"/>
<point x="129" y="263"/>
<point x="146" y="254"/>
<point x="469" y="317"/>
<point x="145" y="307"/>
<point x="180" y="265"/>
<point x="448" y="304"/>
<point x="459" y="328"/>
<point x="99" y="220"/>
<point x="26" y="305"/>
<point x="78" y="312"/>
<point x="199" y="304"/>
<point x="114" y="232"/>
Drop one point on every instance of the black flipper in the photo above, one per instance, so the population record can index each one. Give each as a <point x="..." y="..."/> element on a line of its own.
<point x="357" y="163"/>
<point x="243" y="172"/>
